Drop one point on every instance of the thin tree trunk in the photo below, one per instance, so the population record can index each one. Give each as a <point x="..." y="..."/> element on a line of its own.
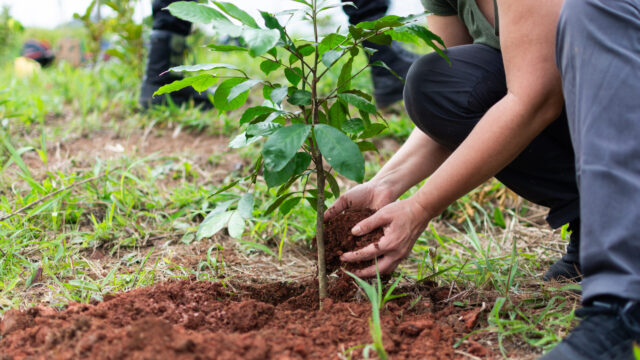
<point x="322" y="267"/>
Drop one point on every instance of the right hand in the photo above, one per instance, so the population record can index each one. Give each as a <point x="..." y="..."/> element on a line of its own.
<point x="363" y="196"/>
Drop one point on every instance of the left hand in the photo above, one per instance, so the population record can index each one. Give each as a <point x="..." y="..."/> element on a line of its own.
<point x="403" y="222"/>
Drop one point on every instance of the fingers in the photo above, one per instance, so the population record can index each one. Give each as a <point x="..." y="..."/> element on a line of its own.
<point x="366" y="253"/>
<point x="371" y="223"/>
<point x="386" y="265"/>
<point x="339" y="206"/>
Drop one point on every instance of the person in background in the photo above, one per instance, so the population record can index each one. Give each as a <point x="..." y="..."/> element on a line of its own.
<point x="446" y="101"/>
<point x="167" y="49"/>
<point x="168" y="46"/>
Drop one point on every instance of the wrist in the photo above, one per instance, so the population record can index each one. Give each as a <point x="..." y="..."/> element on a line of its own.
<point x="423" y="207"/>
<point x="387" y="184"/>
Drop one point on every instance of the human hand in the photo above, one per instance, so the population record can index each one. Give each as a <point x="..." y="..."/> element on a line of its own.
<point x="403" y="222"/>
<point x="363" y="196"/>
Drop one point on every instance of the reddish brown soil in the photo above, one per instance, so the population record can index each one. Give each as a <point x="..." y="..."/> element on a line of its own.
<point x="204" y="320"/>
<point x="338" y="238"/>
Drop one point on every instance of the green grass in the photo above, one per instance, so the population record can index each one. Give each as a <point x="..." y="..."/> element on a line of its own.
<point x="89" y="226"/>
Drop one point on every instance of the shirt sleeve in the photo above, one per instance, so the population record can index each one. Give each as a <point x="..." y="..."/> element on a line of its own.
<point x="440" y="7"/>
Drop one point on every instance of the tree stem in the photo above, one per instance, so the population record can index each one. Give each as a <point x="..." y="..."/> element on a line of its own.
<point x="322" y="267"/>
<point x="317" y="159"/>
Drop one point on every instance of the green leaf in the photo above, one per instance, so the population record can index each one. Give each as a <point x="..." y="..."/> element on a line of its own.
<point x="344" y="80"/>
<point x="636" y="351"/>
<point x="300" y="97"/>
<point x="333" y="184"/>
<point x="427" y="36"/>
<point x="228" y="29"/>
<point x="226" y="48"/>
<point x="253" y="112"/>
<point x="222" y="94"/>
<point x="383" y="22"/>
<point x="269" y="66"/>
<point x="213" y="223"/>
<point x="330" y="57"/>
<point x="353" y="126"/>
<point x="203" y="67"/>
<point x="498" y="218"/>
<point x="241" y="88"/>
<point x="243" y="140"/>
<point x="195" y="12"/>
<point x="260" y="41"/>
<point x="337" y="115"/>
<point x="293" y="77"/>
<point x="237" y="13"/>
<point x="279" y="94"/>
<point x="298" y="164"/>
<point x="373" y="130"/>
<point x="340" y="152"/>
<point x="199" y="82"/>
<point x="306" y="50"/>
<point x="272" y="22"/>
<point x="381" y="39"/>
<point x="331" y="42"/>
<point x="283" y="145"/>
<point x="263" y="128"/>
<point x="276" y="204"/>
<point x="245" y="206"/>
<point x="288" y="205"/>
<point x="366" y="146"/>
<point x="359" y="102"/>
<point x="235" y="225"/>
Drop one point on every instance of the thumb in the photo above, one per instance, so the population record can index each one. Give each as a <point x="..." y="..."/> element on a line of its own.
<point x="369" y="224"/>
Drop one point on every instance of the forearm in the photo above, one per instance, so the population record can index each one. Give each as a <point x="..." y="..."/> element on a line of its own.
<point x="417" y="159"/>
<point x="505" y="130"/>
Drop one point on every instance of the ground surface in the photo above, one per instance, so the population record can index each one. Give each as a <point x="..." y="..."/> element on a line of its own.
<point x="190" y="320"/>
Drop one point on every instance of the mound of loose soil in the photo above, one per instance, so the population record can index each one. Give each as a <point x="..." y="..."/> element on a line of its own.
<point x="205" y="320"/>
<point x="339" y="240"/>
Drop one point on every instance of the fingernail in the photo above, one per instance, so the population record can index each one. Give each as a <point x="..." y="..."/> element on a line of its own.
<point x="356" y="230"/>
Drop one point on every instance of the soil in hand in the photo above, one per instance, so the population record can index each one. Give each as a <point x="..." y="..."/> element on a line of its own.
<point x="339" y="240"/>
<point x="206" y="320"/>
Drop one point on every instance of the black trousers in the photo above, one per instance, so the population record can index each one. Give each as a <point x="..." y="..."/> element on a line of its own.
<point x="163" y="20"/>
<point x="447" y="101"/>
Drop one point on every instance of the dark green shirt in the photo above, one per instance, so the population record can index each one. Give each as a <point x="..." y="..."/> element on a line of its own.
<point x="479" y="27"/>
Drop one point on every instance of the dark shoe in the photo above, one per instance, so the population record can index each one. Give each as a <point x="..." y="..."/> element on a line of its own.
<point x="387" y="88"/>
<point x="607" y="331"/>
<point x="568" y="267"/>
<point x="167" y="50"/>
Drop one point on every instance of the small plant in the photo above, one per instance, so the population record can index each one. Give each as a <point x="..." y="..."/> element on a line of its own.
<point x="374" y="293"/>
<point x="309" y="119"/>
<point x="636" y="351"/>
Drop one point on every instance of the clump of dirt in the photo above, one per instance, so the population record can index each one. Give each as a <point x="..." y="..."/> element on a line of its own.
<point x="184" y="319"/>
<point x="339" y="239"/>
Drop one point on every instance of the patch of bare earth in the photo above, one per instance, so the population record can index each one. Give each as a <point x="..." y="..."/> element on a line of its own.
<point x="209" y="155"/>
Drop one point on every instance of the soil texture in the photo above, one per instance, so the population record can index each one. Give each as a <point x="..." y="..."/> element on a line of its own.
<point x="339" y="240"/>
<point x="185" y="319"/>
